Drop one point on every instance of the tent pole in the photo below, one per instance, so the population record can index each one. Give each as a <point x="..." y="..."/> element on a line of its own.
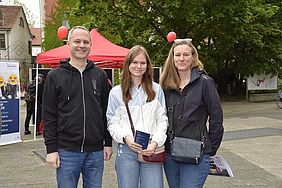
<point x="35" y="110"/>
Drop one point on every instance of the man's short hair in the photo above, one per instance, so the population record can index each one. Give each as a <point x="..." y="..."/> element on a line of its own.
<point x="77" y="27"/>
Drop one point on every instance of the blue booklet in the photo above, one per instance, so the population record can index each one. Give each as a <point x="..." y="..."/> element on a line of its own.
<point x="142" y="138"/>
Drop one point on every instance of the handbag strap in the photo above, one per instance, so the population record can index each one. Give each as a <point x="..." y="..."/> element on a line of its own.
<point x="170" y="110"/>
<point x="130" y="119"/>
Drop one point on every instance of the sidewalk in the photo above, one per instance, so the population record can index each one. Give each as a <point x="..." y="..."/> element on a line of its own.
<point x="252" y="146"/>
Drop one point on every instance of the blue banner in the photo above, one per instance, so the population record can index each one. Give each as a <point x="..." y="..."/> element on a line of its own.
<point x="9" y="102"/>
<point x="10" y="116"/>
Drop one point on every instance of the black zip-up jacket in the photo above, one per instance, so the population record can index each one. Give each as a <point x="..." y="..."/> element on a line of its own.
<point x="74" y="109"/>
<point x="198" y="103"/>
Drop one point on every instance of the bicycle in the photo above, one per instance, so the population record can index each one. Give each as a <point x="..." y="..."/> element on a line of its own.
<point x="279" y="99"/>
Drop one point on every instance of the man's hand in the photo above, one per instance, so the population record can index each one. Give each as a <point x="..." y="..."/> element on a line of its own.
<point x="108" y="151"/>
<point x="53" y="160"/>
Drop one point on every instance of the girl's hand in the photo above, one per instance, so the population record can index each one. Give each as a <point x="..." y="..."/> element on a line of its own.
<point x="150" y="149"/>
<point x="132" y="145"/>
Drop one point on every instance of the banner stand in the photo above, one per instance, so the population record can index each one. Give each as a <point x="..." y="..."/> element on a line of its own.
<point x="10" y="102"/>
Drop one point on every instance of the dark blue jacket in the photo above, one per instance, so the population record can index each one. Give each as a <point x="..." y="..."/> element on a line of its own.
<point x="198" y="103"/>
<point x="74" y="109"/>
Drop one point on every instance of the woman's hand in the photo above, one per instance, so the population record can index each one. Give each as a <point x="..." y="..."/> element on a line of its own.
<point x="150" y="149"/>
<point x="132" y="145"/>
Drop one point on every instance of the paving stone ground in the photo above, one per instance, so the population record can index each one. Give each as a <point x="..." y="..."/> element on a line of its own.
<point x="252" y="146"/>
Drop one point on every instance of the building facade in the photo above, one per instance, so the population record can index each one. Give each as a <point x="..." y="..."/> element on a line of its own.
<point x="15" y="38"/>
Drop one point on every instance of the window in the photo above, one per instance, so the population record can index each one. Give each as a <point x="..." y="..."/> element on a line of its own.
<point x="1" y="19"/>
<point x="2" y="42"/>
<point x="29" y="47"/>
<point x="21" y="22"/>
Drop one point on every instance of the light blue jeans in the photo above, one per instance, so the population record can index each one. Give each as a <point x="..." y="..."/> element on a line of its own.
<point x="90" y="164"/>
<point x="130" y="171"/>
<point x="186" y="175"/>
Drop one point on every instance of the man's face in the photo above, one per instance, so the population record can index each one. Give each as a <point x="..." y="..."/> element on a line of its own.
<point x="79" y="44"/>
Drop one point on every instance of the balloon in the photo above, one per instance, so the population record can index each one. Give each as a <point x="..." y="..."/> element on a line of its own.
<point x="171" y="36"/>
<point x="62" y="32"/>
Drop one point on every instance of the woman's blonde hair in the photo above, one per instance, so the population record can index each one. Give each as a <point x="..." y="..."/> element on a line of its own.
<point x="147" y="78"/>
<point x="170" y="78"/>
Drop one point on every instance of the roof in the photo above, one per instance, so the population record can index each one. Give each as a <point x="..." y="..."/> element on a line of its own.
<point x="36" y="32"/>
<point x="10" y="14"/>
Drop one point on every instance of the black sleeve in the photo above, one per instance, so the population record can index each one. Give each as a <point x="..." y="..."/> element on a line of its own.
<point x="212" y="101"/>
<point x="49" y="114"/>
<point x="104" y="99"/>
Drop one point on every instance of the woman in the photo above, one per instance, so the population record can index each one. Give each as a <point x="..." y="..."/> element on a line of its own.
<point x="193" y="97"/>
<point x="146" y="102"/>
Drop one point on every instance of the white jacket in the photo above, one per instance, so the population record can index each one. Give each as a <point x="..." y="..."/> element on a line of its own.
<point x="148" y="117"/>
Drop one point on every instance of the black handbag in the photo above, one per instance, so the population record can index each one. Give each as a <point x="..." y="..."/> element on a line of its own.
<point x="184" y="150"/>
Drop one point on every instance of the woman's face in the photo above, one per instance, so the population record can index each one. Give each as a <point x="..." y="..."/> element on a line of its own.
<point x="138" y="66"/>
<point x="183" y="57"/>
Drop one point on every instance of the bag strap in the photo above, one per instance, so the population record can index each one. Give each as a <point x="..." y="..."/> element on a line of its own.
<point x="170" y="110"/>
<point x="130" y="119"/>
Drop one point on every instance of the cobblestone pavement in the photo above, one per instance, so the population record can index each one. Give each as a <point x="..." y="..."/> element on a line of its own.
<point x="252" y="146"/>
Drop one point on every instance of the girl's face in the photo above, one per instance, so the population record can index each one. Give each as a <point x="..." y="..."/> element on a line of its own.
<point x="138" y="66"/>
<point x="183" y="57"/>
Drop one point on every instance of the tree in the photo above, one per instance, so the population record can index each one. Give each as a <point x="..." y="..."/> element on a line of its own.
<point x="234" y="37"/>
<point x="63" y="10"/>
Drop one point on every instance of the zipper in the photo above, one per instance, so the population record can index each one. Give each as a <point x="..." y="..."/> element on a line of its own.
<point x="141" y="109"/>
<point x="84" y="118"/>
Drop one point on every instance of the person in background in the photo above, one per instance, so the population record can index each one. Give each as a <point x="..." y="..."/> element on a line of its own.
<point x="193" y="96"/>
<point x="75" y="100"/>
<point x="30" y="105"/>
<point x="146" y="102"/>
<point x="41" y="80"/>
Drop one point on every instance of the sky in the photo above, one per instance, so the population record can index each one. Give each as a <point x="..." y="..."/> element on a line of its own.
<point x="33" y="7"/>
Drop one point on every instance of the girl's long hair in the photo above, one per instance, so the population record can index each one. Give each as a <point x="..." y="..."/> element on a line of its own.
<point x="147" y="78"/>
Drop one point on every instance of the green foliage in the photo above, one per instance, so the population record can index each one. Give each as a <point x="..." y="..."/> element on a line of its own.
<point x="242" y="36"/>
<point x="64" y="7"/>
<point x="238" y="37"/>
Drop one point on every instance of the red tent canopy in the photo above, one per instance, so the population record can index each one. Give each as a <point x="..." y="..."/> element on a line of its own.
<point x="103" y="52"/>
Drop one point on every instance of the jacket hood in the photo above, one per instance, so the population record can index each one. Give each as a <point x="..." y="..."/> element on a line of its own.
<point x="196" y="73"/>
<point x="66" y="64"/>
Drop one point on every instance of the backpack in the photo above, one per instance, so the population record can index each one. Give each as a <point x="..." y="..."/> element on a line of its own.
<point x="30" y="93"/>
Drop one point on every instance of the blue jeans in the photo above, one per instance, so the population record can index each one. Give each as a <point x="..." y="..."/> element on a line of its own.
<point x="186" y="175"/>
<point x="90" y="164"/>
<point x="130" y="171"/>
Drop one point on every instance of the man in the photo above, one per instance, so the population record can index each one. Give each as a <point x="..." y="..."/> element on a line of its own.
<point x="41" y="80"/>
<point x="74" y="116"/>
<point x="30" y="105"/>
